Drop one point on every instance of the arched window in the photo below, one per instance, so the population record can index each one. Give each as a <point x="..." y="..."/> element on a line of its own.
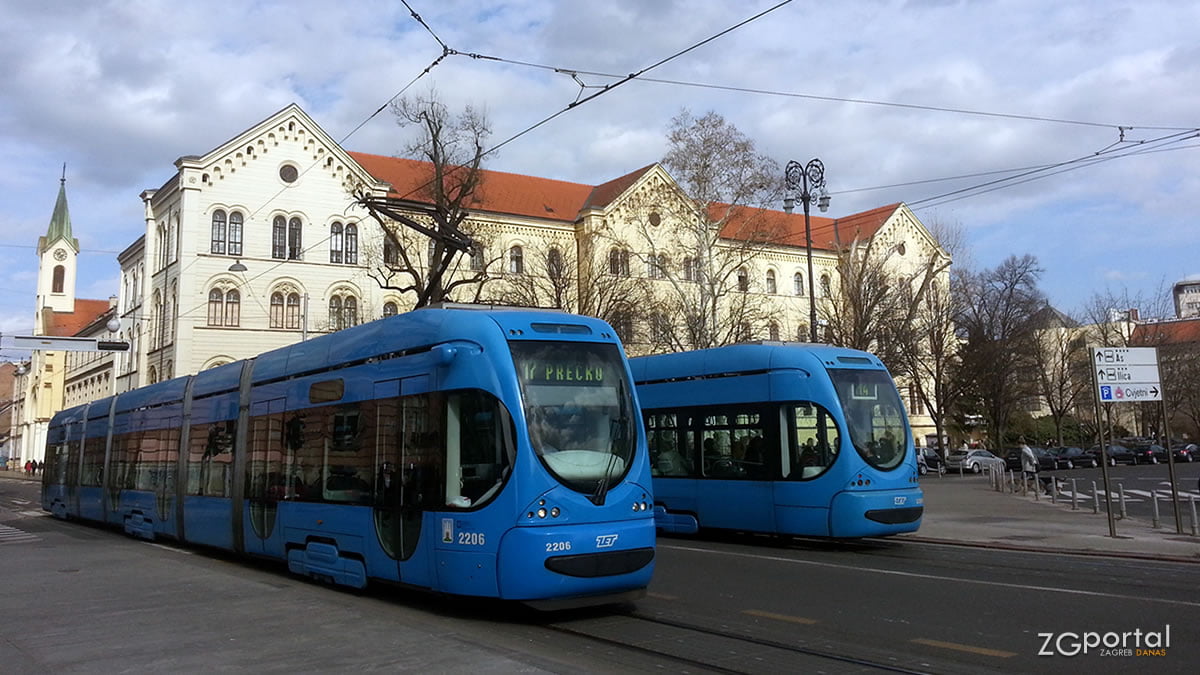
<point x="60" y="274"/>
<point x="771" y="281"/>
<point x="152" y="376"/>
<point x="292" y="317"/>
<point x="335" y="313"/>
<point x="554" y="263"/>
<point x="622" y="323"/>
<point x="216" y="306"/>
<point x="516" y="260"/>
<point x="218" y="232"/>
<point x="390" y="308"/>
<point x="431" y="253"/>
<point x="391" y="252"/>
<point x="350" y="310"/>
<point x="772" y="331"/>
<point x="691" y="269"/>
<point x="656" y="266"/>
<point x="164" y="245"/>
<point x="798" y="283"/>
<point x="235" y="233"/>
<point x="279" y="238"/>
<point x="295" y="245"/>
<point x="233" y="308"/>
<point x="156" y="325"/>
<point x="743" y="280"/>
<point x="477" y="255"/>
<point x="743" y="332"/>
<point x="351" y="244"/>
<point x="335" y="243"/>
<point x="825" y="292"/>
<point x="618" y="262"/>
<point x="277" y="310"/>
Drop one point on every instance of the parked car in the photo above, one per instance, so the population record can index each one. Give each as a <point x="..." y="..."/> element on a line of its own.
<point x="1147" y="453"/>
<point x="971" y="460"/>
<point x="1185" y="452"/>
<point x="1115" y="454"/>
<point x="929" y="460"/>
<point x="1069" y="457"/>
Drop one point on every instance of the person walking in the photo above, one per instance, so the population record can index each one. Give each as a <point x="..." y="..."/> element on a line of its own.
<point x="1029" y="463"/>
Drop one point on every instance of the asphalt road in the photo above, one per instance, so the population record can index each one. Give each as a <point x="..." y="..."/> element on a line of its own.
<point x="82" y="600"/>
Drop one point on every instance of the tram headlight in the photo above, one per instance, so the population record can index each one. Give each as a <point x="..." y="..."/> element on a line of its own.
<point x="541" y="512"/>
<point x="554" y="512"/>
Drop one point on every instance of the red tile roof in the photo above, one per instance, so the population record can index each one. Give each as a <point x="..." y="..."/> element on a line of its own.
<point x="534" y="197"/>
<point x="1166" y="333"/>
<point x="67" y="324"/>
<point x="499" y="192"/>
<point x="788" y="229"/>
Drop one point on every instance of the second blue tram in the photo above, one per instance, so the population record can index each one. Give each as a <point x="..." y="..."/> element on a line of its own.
<point x="781" y="438"/>
<point x="477" y="452"/>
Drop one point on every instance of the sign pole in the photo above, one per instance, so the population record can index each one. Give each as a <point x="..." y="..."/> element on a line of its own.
<point x="1112" y="524"/>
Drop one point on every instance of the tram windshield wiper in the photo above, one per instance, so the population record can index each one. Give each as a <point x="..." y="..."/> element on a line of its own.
<point x="617" y="430"/>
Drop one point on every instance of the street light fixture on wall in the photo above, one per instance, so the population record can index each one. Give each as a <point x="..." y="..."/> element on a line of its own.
<point x="809" y="179"/>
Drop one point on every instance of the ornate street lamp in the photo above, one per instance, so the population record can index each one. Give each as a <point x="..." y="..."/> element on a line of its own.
<point x="809" y="179"/>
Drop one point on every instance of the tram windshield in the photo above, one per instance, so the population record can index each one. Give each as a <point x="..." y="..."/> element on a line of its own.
<point x="579" y="410"/>
<point x="873" y="414"/>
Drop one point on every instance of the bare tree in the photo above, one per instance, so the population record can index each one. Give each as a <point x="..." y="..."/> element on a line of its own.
<point x="426" y="232"/>
<point x="552" y="278"/>
<point x="995" y="314"/>
<point x="1060" y="359"/>
<point x="704" y="260"/>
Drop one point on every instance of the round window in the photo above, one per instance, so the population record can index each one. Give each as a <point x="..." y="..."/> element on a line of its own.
<point x="655" y="219"/>
<point x="288" y="173"/>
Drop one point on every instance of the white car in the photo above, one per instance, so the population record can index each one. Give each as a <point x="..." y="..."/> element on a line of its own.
<point x="972" y="460"/>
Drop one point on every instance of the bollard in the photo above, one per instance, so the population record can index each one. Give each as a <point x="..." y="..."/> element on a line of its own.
<point x="1192" y="499"/>
<point x="1074" y="496"/>
<point x="1121" y="490"/>
<point x="1012" y="482"/>
<point x="1095" y="498"/>
<point x="1037" y="488"/>
<point x="1053" y="490"/>
<point x="1155" y="523"/>
<point x="960" y="469"/>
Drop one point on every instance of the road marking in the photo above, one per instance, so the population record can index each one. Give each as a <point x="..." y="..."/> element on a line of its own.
<point x="779" y="617"/>
<point x="935" y="577"/>
<point x="964" y="648"/>
<point x="34" y="514"/>
<point x="11" y="535"/>
<point x="660" y="596"/>
<point x="168" y="548"/>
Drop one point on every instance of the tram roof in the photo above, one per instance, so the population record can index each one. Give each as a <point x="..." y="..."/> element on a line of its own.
<point x="747" y="358"/>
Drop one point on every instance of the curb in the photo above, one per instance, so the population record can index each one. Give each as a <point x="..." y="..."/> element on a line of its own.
<point x="1132" y="555"/>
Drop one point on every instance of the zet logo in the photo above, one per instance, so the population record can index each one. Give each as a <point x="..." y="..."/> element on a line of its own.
<point x="606" y="540"/>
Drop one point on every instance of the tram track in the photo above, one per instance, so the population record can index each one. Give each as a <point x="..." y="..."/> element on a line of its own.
<point x="717" y="650"/>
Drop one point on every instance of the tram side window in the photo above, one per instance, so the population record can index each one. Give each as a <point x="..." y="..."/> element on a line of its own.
<point x="92" y="471"/>
<point x="669" y="452"/>
<point x="813" y="447"/>
<point x="210" y="459"/>
<point x="479" y="447"/>
<point x="733" y="445"/>
<point x="328" y="457"/>
<point x="74" y="448"/>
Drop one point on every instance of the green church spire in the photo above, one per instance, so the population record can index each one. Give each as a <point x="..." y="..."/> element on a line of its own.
<point x="60" y="222"/>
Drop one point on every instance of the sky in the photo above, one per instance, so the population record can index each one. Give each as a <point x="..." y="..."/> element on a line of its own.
<point x="1089" y="109"/>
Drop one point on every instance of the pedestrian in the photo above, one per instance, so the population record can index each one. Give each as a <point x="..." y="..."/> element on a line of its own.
<point x="1029" y="463"/>
<point x="29" y="467"/>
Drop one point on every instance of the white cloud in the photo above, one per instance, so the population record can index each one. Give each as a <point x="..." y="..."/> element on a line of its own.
<point x="119" y="90"/>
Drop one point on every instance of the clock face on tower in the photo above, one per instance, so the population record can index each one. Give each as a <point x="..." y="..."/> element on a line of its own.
<point x="60" y="254"/>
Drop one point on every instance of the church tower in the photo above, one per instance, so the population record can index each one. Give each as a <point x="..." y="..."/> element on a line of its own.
<point x="58" y="254"/>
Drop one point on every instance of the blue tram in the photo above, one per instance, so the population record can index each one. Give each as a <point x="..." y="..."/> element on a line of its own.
<point x="472" y="451"/>
<point x="779" y="438"/>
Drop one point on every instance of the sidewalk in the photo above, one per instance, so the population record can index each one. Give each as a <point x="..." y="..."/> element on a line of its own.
<point x="967" y="511"/>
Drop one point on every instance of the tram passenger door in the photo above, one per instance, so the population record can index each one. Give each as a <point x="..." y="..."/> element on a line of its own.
<point x="264" y="477"/>
<point x="406" y="437"/>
